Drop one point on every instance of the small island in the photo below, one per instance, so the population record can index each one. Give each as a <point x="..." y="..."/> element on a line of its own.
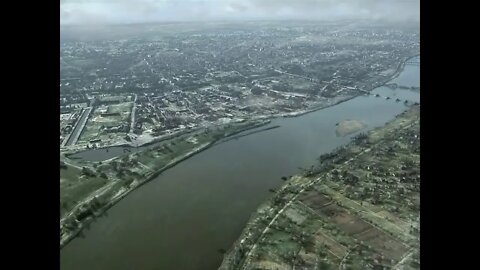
<point x="348" y="127"/>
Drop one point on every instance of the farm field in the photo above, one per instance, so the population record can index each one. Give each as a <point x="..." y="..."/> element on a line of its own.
<point x="359" y="208"/>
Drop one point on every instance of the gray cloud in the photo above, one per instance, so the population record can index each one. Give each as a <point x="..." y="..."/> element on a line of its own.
<point x="137" y="11"/>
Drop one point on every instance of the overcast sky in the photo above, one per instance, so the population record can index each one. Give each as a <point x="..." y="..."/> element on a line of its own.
<point x="81" y="12"/>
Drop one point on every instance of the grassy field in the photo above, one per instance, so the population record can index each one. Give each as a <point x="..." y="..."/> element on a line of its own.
<point x="75" y="186"/>
<point x="106" y="117"/>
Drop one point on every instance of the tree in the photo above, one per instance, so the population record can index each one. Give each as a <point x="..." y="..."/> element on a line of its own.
<point x="88" y="172"/>
<point x="218" y="136"/>
<point x="115" y="165"/>
<point x="324" y="265"/>
<point x="134" y="161"/>
<point x="224" y="88"/>
<point x="63" y="165"/>
<point x="256" y="90"/>
<point x="64" y="205"/>
<point x="128" y="182"/>
<point x="120" y="173"/>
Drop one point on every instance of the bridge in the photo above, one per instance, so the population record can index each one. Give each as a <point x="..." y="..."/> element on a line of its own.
<point x="413" y="63"/>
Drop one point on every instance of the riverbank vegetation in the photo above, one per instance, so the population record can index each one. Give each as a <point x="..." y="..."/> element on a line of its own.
<point x="358" y="208"/>
<point x="89" y="188"/>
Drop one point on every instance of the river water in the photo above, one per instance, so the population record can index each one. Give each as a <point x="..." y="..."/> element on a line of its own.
<point x="181" y="219"/>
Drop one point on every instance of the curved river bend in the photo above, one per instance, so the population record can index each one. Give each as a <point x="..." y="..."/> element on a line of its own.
<point x="180" y="220"/>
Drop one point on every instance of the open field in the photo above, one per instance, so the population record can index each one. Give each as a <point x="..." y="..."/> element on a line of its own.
<point x="107" y="124"/>
<point x="74" y="185"/>
<point x="358" y="208"/>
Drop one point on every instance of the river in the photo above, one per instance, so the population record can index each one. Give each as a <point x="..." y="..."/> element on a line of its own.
<point x="180" y="220"/>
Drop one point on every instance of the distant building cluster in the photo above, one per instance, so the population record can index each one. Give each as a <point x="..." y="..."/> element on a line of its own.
<point x="181" y="80"/>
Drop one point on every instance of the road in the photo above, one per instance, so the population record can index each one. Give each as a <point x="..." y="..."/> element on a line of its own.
<point x="404" y="259"/>
<point x="342" y="263"/>
<point x="77" y="130"/>
<point x="132" y="121"/>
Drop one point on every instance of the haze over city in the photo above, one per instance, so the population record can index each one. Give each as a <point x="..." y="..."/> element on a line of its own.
<point x="88" y="12"/>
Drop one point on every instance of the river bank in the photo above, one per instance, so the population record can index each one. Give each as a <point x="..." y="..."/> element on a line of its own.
<point x="65" y="238"/>
<point x="327" y="187"/>
<point x="201" y="205"/>
<point x="316" y="107"/>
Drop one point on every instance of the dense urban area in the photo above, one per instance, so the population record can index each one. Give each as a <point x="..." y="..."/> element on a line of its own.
<point x="133" y="90"/>
<point x="180" y="88"/>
